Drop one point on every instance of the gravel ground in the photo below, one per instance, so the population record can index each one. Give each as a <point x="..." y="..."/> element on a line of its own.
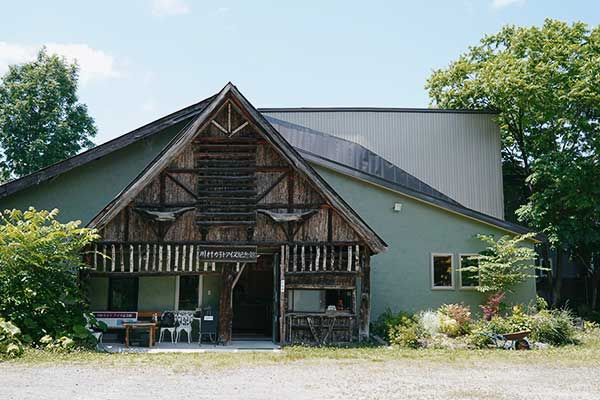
<point x="306" y="379"/>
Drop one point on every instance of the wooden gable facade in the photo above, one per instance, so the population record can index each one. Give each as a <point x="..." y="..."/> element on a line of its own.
<point x="226" y="196"/>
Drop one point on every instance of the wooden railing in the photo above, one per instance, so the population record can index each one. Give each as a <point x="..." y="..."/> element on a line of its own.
<point x="153" y="257"/>
<point x="303" y="258"/>
<point x="149" y="258"/>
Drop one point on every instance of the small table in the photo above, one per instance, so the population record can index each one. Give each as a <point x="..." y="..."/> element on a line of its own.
<point x="151" y="326"/>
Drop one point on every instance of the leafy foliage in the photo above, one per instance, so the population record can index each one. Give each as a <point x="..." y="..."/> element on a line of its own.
<point x="544" y="83"/>
<point x="386" y="320"/>
<point x="407" y="332"/>
<point x="492" y="305"/>
<point x="10" y="342"/>
<point x="455" y="319"/>
<point x="40" y="259"/>
<point x="41" y="119"/>
<point x="554" y="327"/>
<point x="504" y="264"/>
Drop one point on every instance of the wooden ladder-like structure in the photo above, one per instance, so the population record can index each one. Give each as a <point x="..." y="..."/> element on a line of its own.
<point x="227" y="182"/>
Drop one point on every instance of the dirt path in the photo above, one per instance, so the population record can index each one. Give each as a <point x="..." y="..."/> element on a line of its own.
<point x="313" y="379"/>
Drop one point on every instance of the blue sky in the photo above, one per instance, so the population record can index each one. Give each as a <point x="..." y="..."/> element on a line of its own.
<point x="142" y="59"/>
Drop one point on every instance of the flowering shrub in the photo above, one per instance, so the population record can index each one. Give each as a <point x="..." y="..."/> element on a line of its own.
<point x="492" y="307"/>
<point x="430" y="322"/>
<point x="457" y="319"/>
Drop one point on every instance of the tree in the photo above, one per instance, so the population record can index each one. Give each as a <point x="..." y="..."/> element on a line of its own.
<point x="504" y="264"/>
<point x="41" y="119"/>
<point x="544" y="83"/>
<point x="40" y="259"/>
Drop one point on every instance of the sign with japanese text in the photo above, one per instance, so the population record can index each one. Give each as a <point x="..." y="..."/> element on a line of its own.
<point x="218" y="253"/>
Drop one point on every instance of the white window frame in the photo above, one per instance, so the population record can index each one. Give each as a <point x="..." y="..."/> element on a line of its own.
<point x="432" y="272"/>
<point x="460" y="285"/>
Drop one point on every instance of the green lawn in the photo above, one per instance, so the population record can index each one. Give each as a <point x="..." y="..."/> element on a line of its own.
<point x="585" y="354"/>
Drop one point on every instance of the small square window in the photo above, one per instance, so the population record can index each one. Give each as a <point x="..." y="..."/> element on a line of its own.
<point x="469" y="279"/>
<point x="441" y="271"/>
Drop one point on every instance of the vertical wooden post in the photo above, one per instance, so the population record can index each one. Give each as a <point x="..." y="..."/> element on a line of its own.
<point x="131" y="258"/>
<point x="365" y="299"/>
<point x="225" y="305"/>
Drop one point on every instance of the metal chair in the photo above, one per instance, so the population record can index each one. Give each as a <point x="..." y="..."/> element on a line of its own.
<point x="167" y="324"/>
<point x="184" y="324"/>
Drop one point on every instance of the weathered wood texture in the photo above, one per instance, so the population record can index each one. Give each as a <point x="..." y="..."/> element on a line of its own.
<point x="211" y="193"/>
<point x="225" y="308"/>
<point x="226" y="176"/>
<point x="320" y="329"/>
<point x="365" y="301"/>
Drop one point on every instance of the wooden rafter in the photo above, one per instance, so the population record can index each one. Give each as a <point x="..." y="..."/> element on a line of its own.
<point x="271" y="187"/>
<point x="181" y="185"/>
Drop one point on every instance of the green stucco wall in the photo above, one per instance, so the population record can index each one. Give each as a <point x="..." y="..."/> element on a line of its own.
<point x="97" y="293"/>
<point x="82" y="192"/>
<point x="401" y="276"/>
<point x="156" y="293"/>
<point x="211" y="291"/>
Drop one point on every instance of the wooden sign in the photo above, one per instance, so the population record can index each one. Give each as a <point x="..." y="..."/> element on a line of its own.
<point x="219" y="253"/>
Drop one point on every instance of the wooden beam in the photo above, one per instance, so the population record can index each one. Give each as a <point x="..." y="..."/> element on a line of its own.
<point x="365" y="300"/>
<point x="225" y="305"/>
<point x="181" y="185"/>
<point x="271" y="187"/>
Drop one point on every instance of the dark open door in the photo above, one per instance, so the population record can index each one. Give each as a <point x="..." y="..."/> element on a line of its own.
<point x="276" y="291"/>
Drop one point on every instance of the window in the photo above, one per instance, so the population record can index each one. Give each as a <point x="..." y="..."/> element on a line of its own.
<point x="468" y="279"/>
<point x="315" y="300"/>
<point x="188" y="292"/>
<point x="123" y="293"/>
<point x="441" y="271"/>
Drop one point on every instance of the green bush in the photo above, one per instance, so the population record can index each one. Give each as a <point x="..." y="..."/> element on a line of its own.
<point x="10" y="343"/>
<point x="40" y="259"/>
<point x="519" y="320"/>
<point x="476" y="338"/>
<point x="406" y="333"/>
<point x="388" y="319"/>
<point x="554" y="327"/>
<point x="62" y="344"/>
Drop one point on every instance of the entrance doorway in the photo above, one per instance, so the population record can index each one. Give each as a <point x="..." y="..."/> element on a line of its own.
<point x="253" y="302"/>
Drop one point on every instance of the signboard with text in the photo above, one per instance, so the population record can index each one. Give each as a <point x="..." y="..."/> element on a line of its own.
<point x="219" y="253"/>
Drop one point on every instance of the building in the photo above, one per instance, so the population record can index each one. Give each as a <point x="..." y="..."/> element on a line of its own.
<point x="283" y="230"/>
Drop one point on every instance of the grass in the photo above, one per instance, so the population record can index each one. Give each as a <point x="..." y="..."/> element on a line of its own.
<point x="585" y="354"/>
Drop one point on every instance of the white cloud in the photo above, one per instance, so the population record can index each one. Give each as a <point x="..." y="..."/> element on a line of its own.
<point x="94" y="64"/>
<point x="162" y="8"/>
<point x="505" y="3"/>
